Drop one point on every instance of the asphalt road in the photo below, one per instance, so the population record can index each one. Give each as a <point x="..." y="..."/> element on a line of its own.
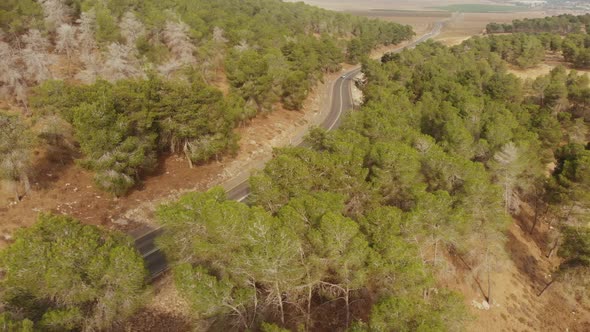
<point x="342" y="102"/>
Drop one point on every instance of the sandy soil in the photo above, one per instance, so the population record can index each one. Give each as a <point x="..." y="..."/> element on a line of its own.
<point x="515" y="304"/>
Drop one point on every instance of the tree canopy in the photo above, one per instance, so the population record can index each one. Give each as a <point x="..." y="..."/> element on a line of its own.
<point x="141" y="78"/>
<point x="63" y="275"/>
<point x="446" y="147"/>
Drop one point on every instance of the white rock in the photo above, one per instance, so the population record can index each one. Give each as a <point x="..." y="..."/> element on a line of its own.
<point x="484" y="305"/>
<point x="121" y="221"/>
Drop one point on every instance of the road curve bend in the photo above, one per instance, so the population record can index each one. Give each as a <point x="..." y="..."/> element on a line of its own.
<point x="341" y="103"/>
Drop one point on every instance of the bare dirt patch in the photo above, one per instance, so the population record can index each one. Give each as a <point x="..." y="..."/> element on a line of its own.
<point x="515" y="304"/>
<point x="551" y="61"/>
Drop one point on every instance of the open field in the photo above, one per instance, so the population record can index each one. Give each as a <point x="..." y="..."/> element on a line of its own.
<point x="459" y="27"/>
<point x="349" y="5"/>
<point x="465" y="25"/>
<point x="421" y="22"/>
<point x="421" y="14"/>
<point x="481" y="8"/>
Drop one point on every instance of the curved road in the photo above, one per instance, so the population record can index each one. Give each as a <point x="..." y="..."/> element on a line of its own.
<point x="341" y="103"/>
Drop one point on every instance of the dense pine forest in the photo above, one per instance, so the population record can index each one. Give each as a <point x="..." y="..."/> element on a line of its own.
<point x="132" y="80"/>
<point x="356" y="231"/>
<point x="446" y="147"/>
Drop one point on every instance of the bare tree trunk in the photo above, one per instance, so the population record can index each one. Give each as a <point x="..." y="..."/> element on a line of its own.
<point x="240" y="315"/>
<point x="255" y="303"/>
<point x="186" y="153"/>
<point x="308" y="313"/>
<point x="477" y="282"/>
<point x="506" y="196"/>
<point x="26" y="182"/>
<point x="489" y="288"/>
<point x="536" y="218"/>
<point x="26" y="107"/>
<point x="489" y="297"/>
<point x="347" y="300"/>
<point x="545" y="288"/>
<point x="555" y="245"/>
<point x="16" y="194"/>
<point x="435" y="251"/>
<point x="190" y="162"/>
<point x="424" y="260"/>
<point x="280" y="302"/>
<point x="309" y="291"/>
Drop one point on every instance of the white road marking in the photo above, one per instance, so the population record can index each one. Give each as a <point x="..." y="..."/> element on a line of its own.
<point x="243" y="197"/>
<point x="340" y="110"/>
<point x="341" y="97"/>
<point x="156" y="249"/>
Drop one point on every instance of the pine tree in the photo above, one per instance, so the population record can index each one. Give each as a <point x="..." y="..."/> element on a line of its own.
<point x="13" y="83"/>
<point x="16" y="143"/>
<point x="68" y="276"/>
<point x="87" y="31"/>
<point x="120" y="63"/>
<point x="66" y="42"/>
<point x="176" y="37"/>
<point x="36" y="57"/>
<point x="56" y="13"/>
<point x="131" y="29"/>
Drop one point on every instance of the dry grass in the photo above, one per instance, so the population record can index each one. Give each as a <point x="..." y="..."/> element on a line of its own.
<point x="465" y="25"/>
<point x="551" y="61"/>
